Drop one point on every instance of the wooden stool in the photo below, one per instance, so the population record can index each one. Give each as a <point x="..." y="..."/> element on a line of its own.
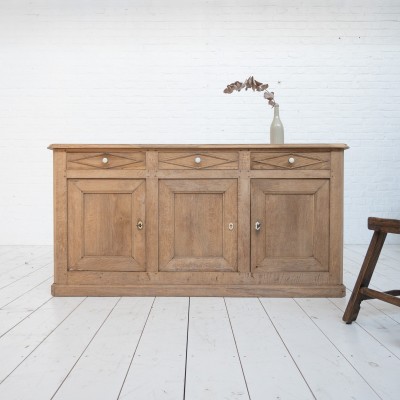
<point x="382" y="227"/>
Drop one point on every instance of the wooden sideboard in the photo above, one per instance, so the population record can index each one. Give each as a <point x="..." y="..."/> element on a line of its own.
<point x="198" y="220"/>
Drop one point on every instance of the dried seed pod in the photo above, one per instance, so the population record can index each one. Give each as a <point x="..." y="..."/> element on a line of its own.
<point x="251" y="83"/>
<point x="228" y="89"/>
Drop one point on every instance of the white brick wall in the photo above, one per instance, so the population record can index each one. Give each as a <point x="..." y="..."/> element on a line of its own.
<point x="136" y="71"/>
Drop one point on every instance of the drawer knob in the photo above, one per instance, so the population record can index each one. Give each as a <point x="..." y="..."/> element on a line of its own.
<point x="105" y="160"/>
<point x="197" y="160"/>
<point x="257" y="226"/>
<point x="291" y="160"/>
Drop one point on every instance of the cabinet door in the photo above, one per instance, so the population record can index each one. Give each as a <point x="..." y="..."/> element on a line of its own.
<point x="293" y="225"/>
<point x="198" y="225"/>
<point x="104" y="232"/>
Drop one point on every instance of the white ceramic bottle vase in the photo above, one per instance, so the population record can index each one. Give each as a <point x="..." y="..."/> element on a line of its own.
<point x="276" y="130"/>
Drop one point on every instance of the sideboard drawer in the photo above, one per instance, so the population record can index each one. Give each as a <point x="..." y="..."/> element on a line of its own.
<point x="198" y="160"/>
<point x="289" y="161"/>
<point x="107" y="160"/>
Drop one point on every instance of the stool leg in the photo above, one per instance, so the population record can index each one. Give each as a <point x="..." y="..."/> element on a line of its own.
<point x="364" y="277"/>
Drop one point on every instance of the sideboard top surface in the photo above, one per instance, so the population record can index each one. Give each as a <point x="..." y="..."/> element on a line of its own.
<point x="244" y="146"/>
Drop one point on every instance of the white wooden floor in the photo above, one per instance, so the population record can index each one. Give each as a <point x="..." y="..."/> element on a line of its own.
<point x="194" y="349"/>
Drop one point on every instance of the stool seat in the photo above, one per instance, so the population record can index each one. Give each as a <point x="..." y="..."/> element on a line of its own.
<point x="361" y="291"/>
<point x="384" y="225"/>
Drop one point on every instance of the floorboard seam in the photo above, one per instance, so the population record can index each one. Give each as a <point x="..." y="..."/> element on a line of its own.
<point x="333" y="344"/>
<point x="287" y="349"/>
<point x="30" y="273"/>
<point x="369" y="333"/>
<point x="136" y="347"/>
<point x="186" y="355"/>
<point x="23" y="319"/>
<point x="43" y="338"/>
<point x="83" y="352"/>
<point x="23" y="294"/>
<point x="237" y="349"/>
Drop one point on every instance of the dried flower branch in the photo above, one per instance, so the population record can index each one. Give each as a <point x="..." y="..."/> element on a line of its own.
<point x="251" y="83"/>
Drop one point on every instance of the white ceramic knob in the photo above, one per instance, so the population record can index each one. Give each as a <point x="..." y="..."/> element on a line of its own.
<point x="105" y="160"/>
<point x="197" y="160"/>
<point x="291" y="160"/>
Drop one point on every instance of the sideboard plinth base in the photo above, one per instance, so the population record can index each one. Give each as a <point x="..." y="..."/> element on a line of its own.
<point x="198" y="290"/>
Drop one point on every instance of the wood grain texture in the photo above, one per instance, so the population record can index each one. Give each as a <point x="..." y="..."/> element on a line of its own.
<point x="152" y="196"/>
<point x="243" y="214"/>
<point x="384" y="225"/>
<point x="198" y="219"/>
<point x="107" y="160"/>
<point x="204" y="278"/>
<point x="336" y="217"/>
<point x="198" y="160"/>
<point x="271" y="160"/>
<point x="294" y="225"/>
<point x="60" y="217"/>
<point x="195" y="218"/>
<point x="200" y="290"/>
<point x="102" y="225"/>
<point x="84" y="147"/>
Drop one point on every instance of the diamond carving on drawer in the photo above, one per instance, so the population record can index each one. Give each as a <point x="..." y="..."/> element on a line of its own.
<point x="198" y="161"/>
<point x="110" y="160"/>
<point x="288" y="161"/>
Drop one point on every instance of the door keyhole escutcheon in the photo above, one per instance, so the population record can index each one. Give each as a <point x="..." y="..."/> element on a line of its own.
<point x="140" y="225"/>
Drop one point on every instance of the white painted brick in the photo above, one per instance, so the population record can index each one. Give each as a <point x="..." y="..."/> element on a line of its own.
<point x="136" y="71"/>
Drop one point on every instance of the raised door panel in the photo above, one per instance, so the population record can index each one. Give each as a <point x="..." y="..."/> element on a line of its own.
<point x="198" y="225"/>
<point x="103" y="225"/>
<point x="293" y="225"/>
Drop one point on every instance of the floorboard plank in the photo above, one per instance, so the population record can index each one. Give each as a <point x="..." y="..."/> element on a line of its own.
<point x="237" y="348"/>
<point x="361" y="350"/>
<point x="261" y="350"/>
<point x="23" y="270"/>
<point x="158" y="366"/>
<point x="386" y="266"/>
<point x="100" y="372"/>
<point x="15" y="255"/>
<point x="213" y="366"/>
<point x="39" y="376"/>
<point x="379" y="325"/>
<point x="24" y="285"/>
<point x="18" y="344"/>
<point x="393" y="252"/>
<point x="23" y="259"/>
<point x="19" y="309"/>
<point x="327" y="372"/>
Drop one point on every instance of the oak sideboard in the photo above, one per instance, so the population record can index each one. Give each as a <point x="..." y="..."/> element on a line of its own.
<point x="198" y="220"/>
